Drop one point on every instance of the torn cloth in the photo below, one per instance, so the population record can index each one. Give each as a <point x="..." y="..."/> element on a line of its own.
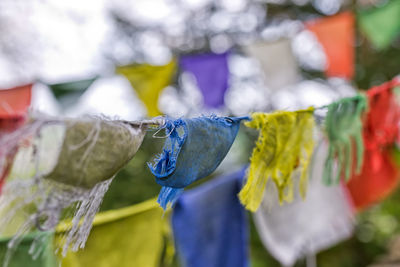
<point x="210" y="226"/>
<point x="211" y="74"/>
<point x="193" y="149"/>
<point x="343" y="127"/>
<point x="285" y="143"/>
<point x="68" y="165"/>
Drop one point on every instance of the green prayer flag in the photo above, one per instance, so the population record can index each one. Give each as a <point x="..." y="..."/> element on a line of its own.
<point x="20" y="256"/>
<point x="343" y="127"/>
<point x="68" y="93"/>
<point x="381" y="25"/>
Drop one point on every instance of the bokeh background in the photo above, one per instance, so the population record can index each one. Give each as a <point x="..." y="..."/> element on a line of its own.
<point x="51" y="41"/>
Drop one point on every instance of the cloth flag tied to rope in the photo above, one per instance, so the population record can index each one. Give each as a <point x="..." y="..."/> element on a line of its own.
<point x="15" y="102"/>
<point x="336" y="35"/>
<point x="211" y="73"/>
<point x="86" y="157"/>
<point x="132" y="236"/>
<point x="381" y="25"/>
<point x="379" y="174"/>
<point x="193" y="149"/>
<point x="305" y="227"/>
<point x="72" y="167"/>
<point x="68" y="93"/>
<point x="210" y="224"/>
<point x="285" y="143"/>
<point x="148" y="82"/>
<point x="277" y="62"/>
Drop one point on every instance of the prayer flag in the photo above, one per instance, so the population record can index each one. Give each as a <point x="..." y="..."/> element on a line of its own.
<point x="277" y="62"/>
<point x="14" y="102"/>
<point x="379" y="174"/>
<point x="305" y="227"/>
<point x="211" y="73"/>
<point x="148" y="82"/>
<point x="210" y="224"/>
<point x="132" y="236"/>
<point x="193" y="149"/>
<point x="285" y="143"/>
<point x="381" y="25"/>
<point x="68" y="93"/>
<point x="336" y="35"/>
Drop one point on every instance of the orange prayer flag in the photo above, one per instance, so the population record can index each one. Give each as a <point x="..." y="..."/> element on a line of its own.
<point x="337" y="36"/>
<point x="15" y="102"/>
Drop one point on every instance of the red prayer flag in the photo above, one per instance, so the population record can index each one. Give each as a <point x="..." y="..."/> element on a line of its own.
<point x="14" y="104"/>
<point x="337" y="36"/>
<point x="379" y="175"/>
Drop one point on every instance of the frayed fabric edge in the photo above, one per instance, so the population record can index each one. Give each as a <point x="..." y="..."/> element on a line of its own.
<point x="165" y="163"/>
<point x="168" y="196"/>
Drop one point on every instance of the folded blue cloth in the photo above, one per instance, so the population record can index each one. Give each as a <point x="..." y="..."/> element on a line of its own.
<point x="210" y="226"/>
<point x="193" y="149"/>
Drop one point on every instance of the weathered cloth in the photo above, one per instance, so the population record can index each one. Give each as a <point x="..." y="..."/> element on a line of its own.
<point x="210" y="224"/>
<point x="94" y="150"/>
<point x="193" y="149"/>
<point x="285" y="143"/>
<point x="67" y="165"/>
<point x="343" y="127"/>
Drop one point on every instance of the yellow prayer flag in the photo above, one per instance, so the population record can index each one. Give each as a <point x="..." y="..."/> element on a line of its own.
<point x="149" y="81"/>
<point x="284" y="144"/>
<point x="132" y="236"/>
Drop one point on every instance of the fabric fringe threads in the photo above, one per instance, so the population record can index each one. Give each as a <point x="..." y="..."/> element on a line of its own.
<point x="285" y="143"/>
<point x="343" y="126"/>
<point x="64" y="174"/>
<point x="193" y="149"/>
